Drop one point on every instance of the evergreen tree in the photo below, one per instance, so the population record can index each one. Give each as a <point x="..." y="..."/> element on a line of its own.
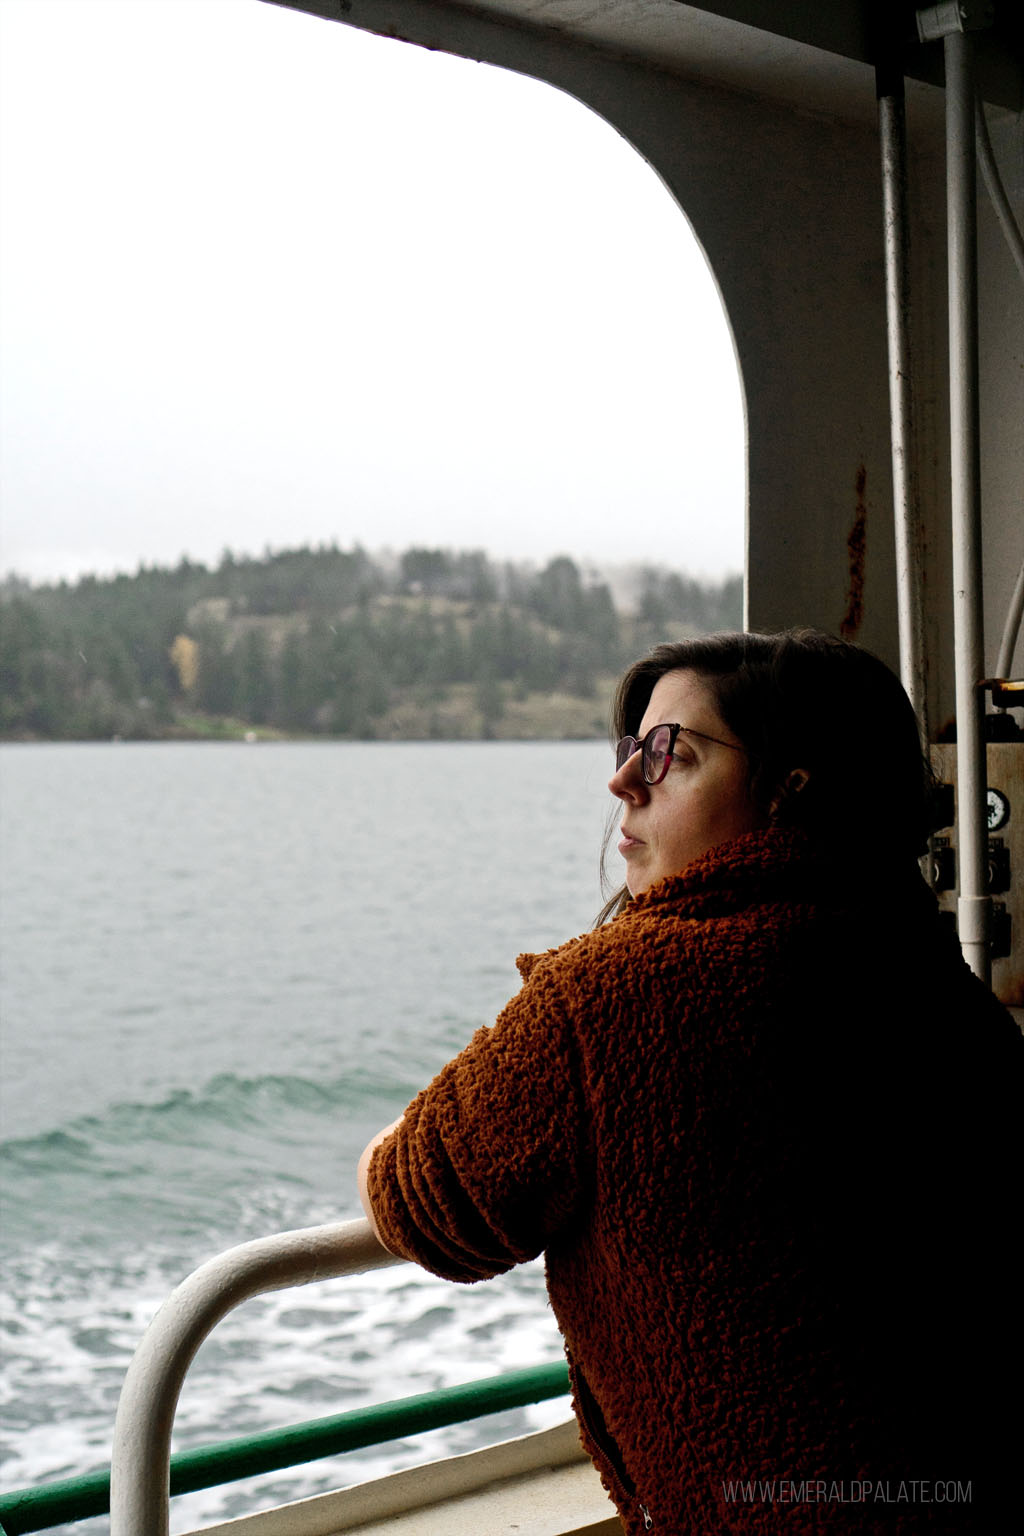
<point x="323" y="640"/>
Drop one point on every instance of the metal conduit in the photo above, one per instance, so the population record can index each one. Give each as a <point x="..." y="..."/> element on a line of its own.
<point x="140" y="1459"/>
<point x="974" y="904"/>
<point x="994" y="186"/>
<point x="906" y="508"/>
<point x="1011" y="629"/>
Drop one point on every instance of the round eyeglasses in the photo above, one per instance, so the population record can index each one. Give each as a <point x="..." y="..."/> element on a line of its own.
<point x="656" y="749"/>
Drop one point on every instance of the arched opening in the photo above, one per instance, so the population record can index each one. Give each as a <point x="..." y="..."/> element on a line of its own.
<point x="327" y="286"/>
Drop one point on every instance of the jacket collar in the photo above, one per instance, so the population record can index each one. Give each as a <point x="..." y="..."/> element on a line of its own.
<point x="778" y="864"/>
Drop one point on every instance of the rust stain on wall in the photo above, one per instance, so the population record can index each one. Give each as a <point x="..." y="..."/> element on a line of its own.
<point x="856" y="551"/>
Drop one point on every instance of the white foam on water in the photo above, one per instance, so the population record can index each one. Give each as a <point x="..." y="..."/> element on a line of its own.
<point x="278" y="1360"/>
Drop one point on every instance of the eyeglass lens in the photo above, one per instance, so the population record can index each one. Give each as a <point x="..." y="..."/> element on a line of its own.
<point x="657" y="749"/>
<point x="624" y="750"/>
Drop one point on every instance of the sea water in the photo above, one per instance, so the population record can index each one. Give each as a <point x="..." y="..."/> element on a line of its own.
<point x="224" y="966"/>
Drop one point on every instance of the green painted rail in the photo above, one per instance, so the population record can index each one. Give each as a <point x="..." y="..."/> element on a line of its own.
<point x="78" y="1498"/>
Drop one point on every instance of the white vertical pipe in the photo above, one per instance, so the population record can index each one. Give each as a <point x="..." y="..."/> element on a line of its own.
<point x="974" y="905"/>
<point x="906" y="511"/>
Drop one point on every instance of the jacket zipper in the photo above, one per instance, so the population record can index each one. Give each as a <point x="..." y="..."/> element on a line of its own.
<point x="624" y="1489"/>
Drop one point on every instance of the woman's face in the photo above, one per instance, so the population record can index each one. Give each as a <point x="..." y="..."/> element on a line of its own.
<point x="702" y="801"/>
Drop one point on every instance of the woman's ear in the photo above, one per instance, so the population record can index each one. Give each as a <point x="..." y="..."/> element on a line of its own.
<point x="787" y="792"/>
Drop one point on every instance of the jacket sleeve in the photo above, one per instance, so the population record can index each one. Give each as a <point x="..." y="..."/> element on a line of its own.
<point x="488" y="1163"/>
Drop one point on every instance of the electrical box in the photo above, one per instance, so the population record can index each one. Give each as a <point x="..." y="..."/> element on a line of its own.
<point x="1005" y="767"/>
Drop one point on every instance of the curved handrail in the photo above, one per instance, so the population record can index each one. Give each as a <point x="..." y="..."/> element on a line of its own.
<point x="141" y="1454"/>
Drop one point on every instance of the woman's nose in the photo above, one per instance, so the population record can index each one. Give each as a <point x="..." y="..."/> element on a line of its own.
<point x="627" y="782"/>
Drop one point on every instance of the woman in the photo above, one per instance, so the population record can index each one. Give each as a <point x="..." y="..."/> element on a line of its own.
<point x="759" y="1122"/>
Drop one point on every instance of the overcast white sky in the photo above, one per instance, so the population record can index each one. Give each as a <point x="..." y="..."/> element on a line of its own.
<point x="268" y="280"/>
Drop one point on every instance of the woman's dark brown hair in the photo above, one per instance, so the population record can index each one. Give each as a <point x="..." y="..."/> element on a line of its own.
<point x="804" y="700"/>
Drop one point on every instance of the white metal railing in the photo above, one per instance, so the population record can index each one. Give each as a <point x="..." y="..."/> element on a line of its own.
<point x="140" y="1460"/>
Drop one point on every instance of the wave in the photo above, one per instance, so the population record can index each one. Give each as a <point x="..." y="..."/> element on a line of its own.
<point x="208" y="1166"/>
<point x="226" y="1101"/>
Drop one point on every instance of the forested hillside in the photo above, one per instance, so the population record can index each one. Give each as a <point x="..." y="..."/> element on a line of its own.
<point x="332" y="642"/>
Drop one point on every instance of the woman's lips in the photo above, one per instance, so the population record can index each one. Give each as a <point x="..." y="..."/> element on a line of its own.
<point x="627" y="842"/>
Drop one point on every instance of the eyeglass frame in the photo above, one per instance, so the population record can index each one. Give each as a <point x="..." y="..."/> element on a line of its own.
<point x="675" y="730"/>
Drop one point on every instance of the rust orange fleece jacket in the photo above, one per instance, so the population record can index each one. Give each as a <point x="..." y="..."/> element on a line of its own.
<point x="760" y="1126"/>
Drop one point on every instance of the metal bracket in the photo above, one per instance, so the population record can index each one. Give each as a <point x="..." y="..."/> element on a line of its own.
<point x="936" y="21"/>
<point x="1007" y="692"/>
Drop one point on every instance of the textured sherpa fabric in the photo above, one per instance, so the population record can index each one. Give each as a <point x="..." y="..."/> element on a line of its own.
<point x="760" y="1125"/>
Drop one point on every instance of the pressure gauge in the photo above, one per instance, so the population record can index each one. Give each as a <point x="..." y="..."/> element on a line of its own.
<point x="998" y="810"/>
